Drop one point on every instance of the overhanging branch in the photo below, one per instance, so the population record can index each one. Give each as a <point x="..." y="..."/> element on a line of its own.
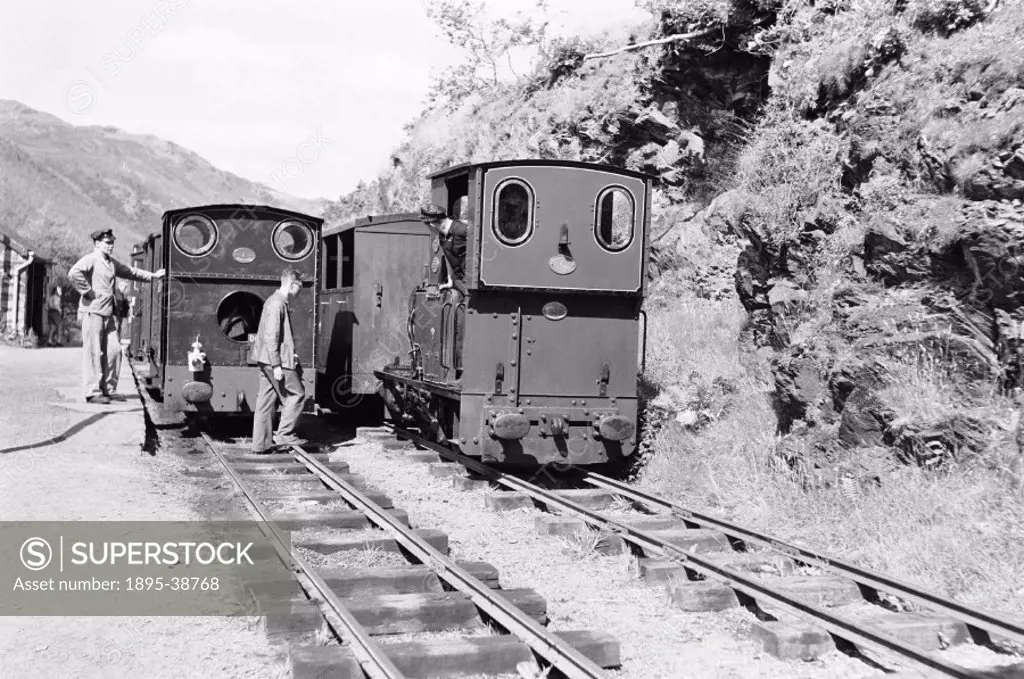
<point x="677" y="37"/>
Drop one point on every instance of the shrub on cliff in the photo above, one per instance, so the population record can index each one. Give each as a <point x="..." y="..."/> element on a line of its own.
<point x="946" y="16"/>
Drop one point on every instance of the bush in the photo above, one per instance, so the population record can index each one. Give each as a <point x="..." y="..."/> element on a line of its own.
<point x="790" y="165"/>
<point x="947" y="16"/>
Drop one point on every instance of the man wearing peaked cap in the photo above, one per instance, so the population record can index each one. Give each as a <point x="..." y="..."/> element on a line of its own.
<point x="452" y="235"/>
<point x="95" y="277"/>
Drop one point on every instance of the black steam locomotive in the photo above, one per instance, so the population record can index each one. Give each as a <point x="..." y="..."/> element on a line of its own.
<point x="192" y="333"/>
<point x="545" y="367"/>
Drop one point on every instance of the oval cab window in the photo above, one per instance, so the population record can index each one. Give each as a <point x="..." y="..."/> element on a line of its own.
<point x="195" y="235"/>
<point x="615" y="216"/>
<point x="513" y="211"/>
<point x="293" y="240"/>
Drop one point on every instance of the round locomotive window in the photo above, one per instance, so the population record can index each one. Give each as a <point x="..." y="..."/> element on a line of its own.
<point x="513" y="212"/>
<point x="615" y="216"/>
<point x="293" y="240"/>
<point x="238" y="315"/>
<point x="195" y="235"/>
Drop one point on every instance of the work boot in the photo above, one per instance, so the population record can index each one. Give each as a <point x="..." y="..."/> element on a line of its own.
<point x="99" y="398"/>
<point x="289" y="440"/>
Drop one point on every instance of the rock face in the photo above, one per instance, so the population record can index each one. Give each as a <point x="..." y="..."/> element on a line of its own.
<point x="894" y="307"/>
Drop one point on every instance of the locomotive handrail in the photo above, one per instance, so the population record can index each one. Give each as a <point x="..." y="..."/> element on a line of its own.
<point x="643" y="344"/>
<point x="442" y="356"/>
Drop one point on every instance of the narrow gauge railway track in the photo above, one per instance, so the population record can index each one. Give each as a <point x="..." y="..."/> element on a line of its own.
<point x="556" y="652"/>
<point x="983" y="627"/>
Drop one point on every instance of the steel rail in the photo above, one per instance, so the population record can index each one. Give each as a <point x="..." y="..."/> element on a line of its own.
<point x="369" y="656"/>
<point x="838" y="625"/>
<point x="990" y="624"/>
<point x="557" y="652"/>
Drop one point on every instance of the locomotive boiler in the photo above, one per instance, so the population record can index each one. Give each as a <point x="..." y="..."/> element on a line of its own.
<point x="195" y="329"/>
<point x="538" y="363"/>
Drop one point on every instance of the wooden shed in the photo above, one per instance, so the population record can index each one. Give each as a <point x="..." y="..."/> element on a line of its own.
<point x="24" y="279"/>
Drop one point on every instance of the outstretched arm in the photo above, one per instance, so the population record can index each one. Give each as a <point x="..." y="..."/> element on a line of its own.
<point x="131" y="273"/>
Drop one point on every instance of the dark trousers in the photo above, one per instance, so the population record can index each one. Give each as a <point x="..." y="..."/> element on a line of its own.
<point x="290" y="392"/>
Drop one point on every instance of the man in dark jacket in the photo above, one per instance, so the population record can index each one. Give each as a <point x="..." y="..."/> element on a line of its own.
<point x="451" y="235"/>
<point x="280" y="374"/>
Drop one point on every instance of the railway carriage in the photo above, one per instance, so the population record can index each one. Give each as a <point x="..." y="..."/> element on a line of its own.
<point x="368" y="269"/>
<point x="197" y="326"/>
<point x="538" y="364"/>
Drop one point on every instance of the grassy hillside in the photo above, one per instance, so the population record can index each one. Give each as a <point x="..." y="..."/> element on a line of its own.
<point x="58" y="182"/>
<point x="835" y="345"/>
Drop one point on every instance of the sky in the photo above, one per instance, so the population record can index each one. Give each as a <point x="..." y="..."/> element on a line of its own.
<point x="306" y="96"/>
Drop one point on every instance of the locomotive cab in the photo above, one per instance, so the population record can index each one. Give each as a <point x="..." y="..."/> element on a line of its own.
<point x="539" y="362"/>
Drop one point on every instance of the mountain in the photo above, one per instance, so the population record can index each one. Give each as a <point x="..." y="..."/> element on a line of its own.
<point x="59" y="182"/>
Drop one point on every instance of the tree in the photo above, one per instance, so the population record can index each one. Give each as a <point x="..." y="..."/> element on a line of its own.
<point x="487" y="42"/>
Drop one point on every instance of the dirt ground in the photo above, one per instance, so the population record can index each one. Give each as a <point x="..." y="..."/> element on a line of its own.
<point x="64" y="460"/>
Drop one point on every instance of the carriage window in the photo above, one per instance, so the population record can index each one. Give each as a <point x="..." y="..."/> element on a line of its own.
<point x="330" y="262"/>
<point x="615" y="216"/>
<point x="292" y="240"/>
<point x="348" y="264"/>
<point x="195" y="235"/>
<point x="513" y="211"/>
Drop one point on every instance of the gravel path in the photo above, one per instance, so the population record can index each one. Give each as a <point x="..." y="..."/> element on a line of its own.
<point x="99" y="472"/>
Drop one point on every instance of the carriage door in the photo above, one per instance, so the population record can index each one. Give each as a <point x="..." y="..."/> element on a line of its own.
<point x="562" y="227"/>
<point x="388" y="265"/>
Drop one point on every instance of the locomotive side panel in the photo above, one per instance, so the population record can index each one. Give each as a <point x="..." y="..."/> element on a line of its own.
<point x="427" y="331"/>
